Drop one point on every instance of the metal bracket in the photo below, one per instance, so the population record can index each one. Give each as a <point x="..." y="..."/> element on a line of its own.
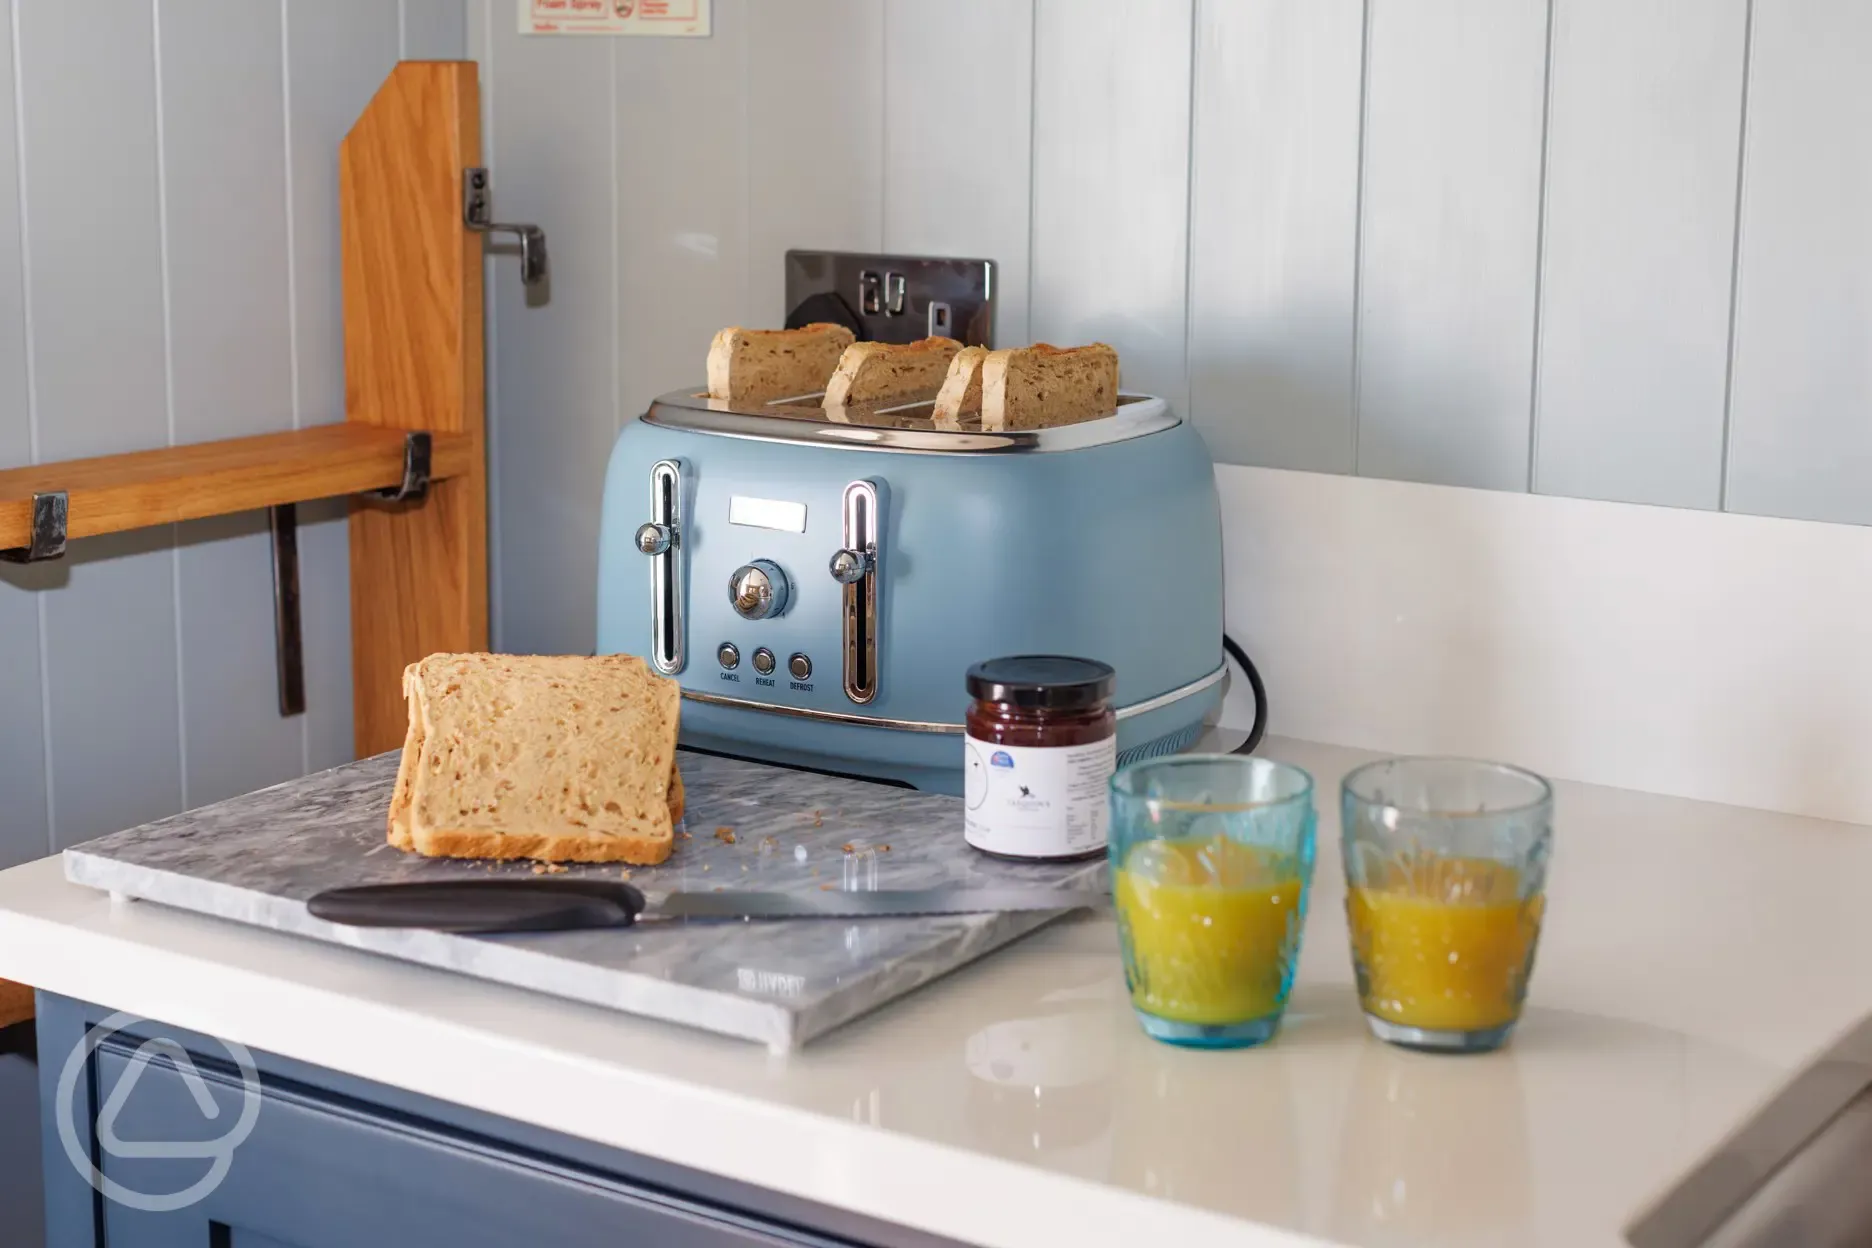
<point x="50" y="512"/>
<point x="417" y="445"/>
<point x="478" y="215"/>
<point x="288" y="641"/>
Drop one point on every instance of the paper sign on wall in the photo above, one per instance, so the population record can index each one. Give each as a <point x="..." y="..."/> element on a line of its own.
<point x="614" y="17"/>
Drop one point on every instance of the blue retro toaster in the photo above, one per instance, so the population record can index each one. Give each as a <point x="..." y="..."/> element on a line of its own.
<point x="819" y="587"/>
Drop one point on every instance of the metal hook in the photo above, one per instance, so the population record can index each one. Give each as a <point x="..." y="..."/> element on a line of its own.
<point x="478" y="213"/>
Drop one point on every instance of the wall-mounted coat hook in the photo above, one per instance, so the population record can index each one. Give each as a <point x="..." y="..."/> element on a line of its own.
<point x="478" y="215"/>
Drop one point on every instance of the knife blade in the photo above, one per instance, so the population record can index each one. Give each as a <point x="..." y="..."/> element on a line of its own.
<point x="512" y="905"/>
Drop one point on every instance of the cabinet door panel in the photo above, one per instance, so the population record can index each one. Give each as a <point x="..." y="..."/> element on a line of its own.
<point x="323" y="1174"/>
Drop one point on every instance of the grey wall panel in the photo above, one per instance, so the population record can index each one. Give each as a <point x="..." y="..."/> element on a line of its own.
<point x="1111" y="182"/>
<point x="23" y="830"/>
<point x="1449" y="240"/>
<point x="1643" y="146"/>
<point x="1274" y="229"/>
<point x="554" y="406"/>
<point x="338" y="52"/>
<point x="225" y="195"/>
<point x="95" y="295"/>
<point x="815" y="159"/>
<point x="958" y="147"/>
<point x="683" y="205"/>
<point x="1800" y="439"/>
<point x="434" y="30"/>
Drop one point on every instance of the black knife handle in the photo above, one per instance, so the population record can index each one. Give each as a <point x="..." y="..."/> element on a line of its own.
<point x="483" y="905"/>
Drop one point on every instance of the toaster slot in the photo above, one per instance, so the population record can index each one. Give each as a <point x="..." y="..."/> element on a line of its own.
<point x="855" y="567"/>
<point x="662" y="540"/>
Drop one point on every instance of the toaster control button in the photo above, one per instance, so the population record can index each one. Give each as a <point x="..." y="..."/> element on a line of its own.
<point x="764" y="661"/>
<point x="728" y="656"/>
<point x="800" y="666"/>
<point x="758" y="590"/>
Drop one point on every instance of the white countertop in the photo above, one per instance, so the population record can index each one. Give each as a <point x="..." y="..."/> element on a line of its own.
<point x="1693" y="955"/>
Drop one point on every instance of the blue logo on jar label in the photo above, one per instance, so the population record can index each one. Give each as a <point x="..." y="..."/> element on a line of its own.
<point x="1001" y="758"/>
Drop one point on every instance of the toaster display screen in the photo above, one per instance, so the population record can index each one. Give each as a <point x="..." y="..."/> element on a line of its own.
<point x="767" y="513"/>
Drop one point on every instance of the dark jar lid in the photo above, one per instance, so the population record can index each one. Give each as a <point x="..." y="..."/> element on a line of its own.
<point x="1042" y="682"/>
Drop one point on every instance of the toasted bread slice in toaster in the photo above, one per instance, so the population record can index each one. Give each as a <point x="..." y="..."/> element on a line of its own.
<point x="960" y="395"/>
<point x="1041" y="386"/>
<point x="760" y="365"/>
<point x="882" y="372"/>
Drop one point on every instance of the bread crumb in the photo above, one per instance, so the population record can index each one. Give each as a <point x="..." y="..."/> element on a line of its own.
<point x="883" y="849"/>
<point x="624" y="874"/>
<point x="848" y="848"/>
<point x="548" y="868"/>
<point x="705" y="866"/>
<point x="682" y="836"/>
<point x="725" y="835"/>
<point x="825" y="888"/>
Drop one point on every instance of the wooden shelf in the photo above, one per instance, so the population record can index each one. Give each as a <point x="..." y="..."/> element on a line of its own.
<point x="16" y="1003"/>
<point x="116" y="492"/>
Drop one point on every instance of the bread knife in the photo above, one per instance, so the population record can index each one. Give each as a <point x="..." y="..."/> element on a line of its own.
<point x="530" y="905"/>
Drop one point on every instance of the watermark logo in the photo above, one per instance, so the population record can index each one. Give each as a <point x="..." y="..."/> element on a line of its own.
<point x="218" y="1153"/>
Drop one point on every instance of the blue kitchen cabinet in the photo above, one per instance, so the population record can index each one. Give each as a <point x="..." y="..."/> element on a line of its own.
<point x="334" y="1162"/>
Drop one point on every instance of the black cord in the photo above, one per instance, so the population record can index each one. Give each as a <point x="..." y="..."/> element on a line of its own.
<point x="1256" y="732"/>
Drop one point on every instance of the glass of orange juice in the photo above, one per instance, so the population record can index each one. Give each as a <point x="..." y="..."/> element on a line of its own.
<point x="1211" y="859"/>
<point x="1446" y="871"/>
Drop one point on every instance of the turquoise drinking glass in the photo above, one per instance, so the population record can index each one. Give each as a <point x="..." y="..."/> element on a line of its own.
<point x="1211" y="861"/>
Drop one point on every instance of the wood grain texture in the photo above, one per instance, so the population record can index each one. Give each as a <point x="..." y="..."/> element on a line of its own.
<point x="112" y="493"/>
<point x="413" y="360"/>
<point x="1449" y="240"/>
<point x="1644" y="115"/>
<point x="16" y="1003"/>
<point x="1800" y="441"/>
<point x="1274" y="230"/>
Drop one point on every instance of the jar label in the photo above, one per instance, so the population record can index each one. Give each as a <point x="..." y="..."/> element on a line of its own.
<point x="1038" y="802"/>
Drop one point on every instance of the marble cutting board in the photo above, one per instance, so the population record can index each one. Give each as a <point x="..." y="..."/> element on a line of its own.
<point x="256" y="858"/>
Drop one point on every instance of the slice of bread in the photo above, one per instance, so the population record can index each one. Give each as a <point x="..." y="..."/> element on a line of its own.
<point x="402" y="794"/>
<point x="1041" y="386"/>
<point x="760" y="365"/>
<point x="556" y="758"/>
<point x="882" y="372"/>
<point x="961" y="391"/>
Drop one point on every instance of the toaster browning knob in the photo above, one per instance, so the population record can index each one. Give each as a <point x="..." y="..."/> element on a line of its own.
<point x="849" y="566"/>
<point x="758" y="590"/>
<point x="653" y="539"/>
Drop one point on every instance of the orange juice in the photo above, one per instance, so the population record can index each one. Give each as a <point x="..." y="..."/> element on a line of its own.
<point x="1443" y="944"/>
<point x="1210" y="928"/>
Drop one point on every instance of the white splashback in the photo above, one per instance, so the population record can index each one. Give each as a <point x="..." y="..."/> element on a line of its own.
<point x="1685" y="652"/>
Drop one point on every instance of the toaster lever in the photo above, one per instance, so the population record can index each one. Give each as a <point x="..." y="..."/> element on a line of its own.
<point x="662" y="540"/>
<point x="848" y="567"/>
<point x="855" y="566"/>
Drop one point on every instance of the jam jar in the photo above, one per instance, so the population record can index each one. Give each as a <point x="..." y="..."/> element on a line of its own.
<point x="1042" y="744"/>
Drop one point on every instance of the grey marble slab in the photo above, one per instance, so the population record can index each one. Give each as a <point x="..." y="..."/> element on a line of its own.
<point x="257" y="858"/>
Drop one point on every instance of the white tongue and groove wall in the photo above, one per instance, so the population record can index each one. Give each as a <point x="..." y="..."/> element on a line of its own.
<point x="1507" y="255"/>
<point x="1499" y="250"/>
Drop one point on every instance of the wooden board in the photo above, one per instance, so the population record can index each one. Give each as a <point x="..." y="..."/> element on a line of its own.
<point x="413" y="360"/>
<point x="112" y="493"/>
<point x="16" y="1003"/>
